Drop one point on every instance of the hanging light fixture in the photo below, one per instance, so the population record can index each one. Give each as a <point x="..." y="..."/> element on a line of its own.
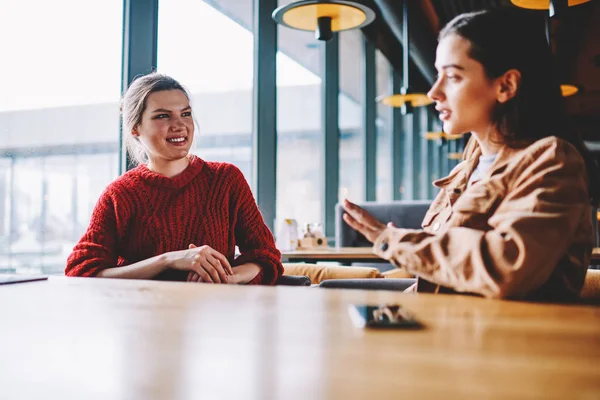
<point x="324" y="17"/>
<point x="568" y="90"/>
<point x="543" y="4"/>
<point x="441" y="135"/>
<point x="407" y="99"/>
<point x="455" y="156"/>
<point x="552" y="6"/>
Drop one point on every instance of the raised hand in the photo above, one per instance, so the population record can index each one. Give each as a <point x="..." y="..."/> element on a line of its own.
<point x="362" y="221"/>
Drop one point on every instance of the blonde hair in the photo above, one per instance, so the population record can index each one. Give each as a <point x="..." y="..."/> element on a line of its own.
<point x="133" y="105"/>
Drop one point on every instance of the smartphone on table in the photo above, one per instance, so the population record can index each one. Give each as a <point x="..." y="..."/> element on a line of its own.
<point x="392" y="316"/>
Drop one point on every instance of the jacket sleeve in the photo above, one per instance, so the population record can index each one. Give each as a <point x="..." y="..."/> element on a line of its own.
<point x="531" y="231"/>
<point x="253" y="238"/>
<point x="96" y="250"/>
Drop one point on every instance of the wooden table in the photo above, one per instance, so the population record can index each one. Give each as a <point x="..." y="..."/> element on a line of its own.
<point x="345" y="255"/>
<point x="70" y="338"/>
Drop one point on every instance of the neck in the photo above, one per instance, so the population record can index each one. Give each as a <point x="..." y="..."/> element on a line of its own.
<point x="489" y="141"/>
<point x="168" y="168"/>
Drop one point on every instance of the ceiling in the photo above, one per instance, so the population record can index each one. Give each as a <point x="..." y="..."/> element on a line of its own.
<point x="576" y="45"/>
<point x="576" y="39"/>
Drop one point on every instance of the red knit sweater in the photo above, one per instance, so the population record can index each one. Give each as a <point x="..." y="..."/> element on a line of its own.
<point x="143" y="214"/>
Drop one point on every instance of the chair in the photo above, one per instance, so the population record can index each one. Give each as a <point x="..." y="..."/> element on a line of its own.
<point x="404" y="214"/>
<point x="289" y="280"/>
<point x="369" y="284"/>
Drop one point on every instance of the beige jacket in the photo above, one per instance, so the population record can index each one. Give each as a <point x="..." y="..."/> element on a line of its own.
<point x="523" y="231"/>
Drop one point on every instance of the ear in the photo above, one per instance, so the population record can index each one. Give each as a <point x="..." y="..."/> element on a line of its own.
<point x="508" y="85"/>
<point x="135" y="132"/>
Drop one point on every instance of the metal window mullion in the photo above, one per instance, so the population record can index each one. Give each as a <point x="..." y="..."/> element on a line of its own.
<point x="450" y="148"/>
<point x="436" y="161"/>
<point x="369" y="116"/>
<point x="433" y="155"/>
<point x="424" y="165"/>
<point x="330" y="164"/>
<point x="264" y="119"/>
<point x="408" y="156"/>
<point x="140" y="41"/>
<point x="441" y="150"/>
<point x="397" y="145"/>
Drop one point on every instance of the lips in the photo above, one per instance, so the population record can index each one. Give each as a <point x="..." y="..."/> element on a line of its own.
<point x="177" y="140"/>
<point x="444" y="113"/>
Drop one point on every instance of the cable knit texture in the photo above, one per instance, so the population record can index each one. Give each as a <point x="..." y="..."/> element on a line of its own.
<point x="143" y="214"/>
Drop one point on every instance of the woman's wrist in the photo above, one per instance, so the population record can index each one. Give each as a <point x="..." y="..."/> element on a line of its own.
<point x="244" y="273"/>
<point x="166" y="260"/>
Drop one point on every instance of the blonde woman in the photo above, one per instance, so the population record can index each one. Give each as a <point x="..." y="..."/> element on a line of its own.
<point x="174" y="216"/>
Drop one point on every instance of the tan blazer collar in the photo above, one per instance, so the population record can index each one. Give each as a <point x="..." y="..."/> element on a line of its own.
<point x="459" y="176"/>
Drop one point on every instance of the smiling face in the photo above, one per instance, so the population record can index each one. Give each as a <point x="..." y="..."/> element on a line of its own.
<point x="167" y="128"/>
<point x="463" y="94"/>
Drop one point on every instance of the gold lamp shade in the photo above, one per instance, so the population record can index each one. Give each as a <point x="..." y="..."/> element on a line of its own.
<point x="542" y="4"/>
<point x="455" y="156"/>
<point x="398" y="100"/>
<point x="324" y="17"/>
<point x="441" y="135"/>
<point x="568" y="90"/>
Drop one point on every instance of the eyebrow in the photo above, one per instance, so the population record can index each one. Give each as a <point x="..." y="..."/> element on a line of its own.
<point x="453" y="66"/>
<point x="163" y="110"/>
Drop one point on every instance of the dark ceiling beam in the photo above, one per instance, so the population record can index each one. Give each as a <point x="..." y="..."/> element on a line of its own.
<point x="385" y="41"/>
<point x="380" y="34"/>
<point x="422" y="39"/>
<point x="431" y="15"/>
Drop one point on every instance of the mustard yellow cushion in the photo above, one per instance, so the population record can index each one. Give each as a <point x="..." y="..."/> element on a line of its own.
<point x="318" y="273"/>
<point x="591" y="285"/>
<point x="397" y="273"/>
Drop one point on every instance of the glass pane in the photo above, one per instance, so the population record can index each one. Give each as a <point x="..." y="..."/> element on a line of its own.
<point x="384" y="129"/>
<point x="352" y="84"/>
<point x="5" y="198"/>
<point x="58" y="112"/>
<point x="208" y="47"/>
<point x="299" y="135"/>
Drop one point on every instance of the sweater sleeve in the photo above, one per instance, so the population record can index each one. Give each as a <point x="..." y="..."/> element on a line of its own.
<point x="96" y="250"/>
<point x="252" y="236"/>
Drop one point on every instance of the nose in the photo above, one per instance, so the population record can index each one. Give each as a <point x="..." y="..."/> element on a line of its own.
<point x="436" y="93"/>
<point x="177" y="123"/>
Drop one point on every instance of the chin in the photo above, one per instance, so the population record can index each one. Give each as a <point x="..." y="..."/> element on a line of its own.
<point x="448" y="128"/>
<point x="452" y="129"/>
<point x="180" y="155"/>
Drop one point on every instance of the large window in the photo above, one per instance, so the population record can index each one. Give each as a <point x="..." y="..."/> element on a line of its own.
<point x="384" y="129"/>
<point x="208" y="47"/>
<point x="59" y="126"/>
<point x="300" y="139"/>
<point x="352" y="85"/>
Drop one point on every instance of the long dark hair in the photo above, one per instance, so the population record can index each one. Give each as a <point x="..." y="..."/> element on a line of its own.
<point x="509" y="38"/>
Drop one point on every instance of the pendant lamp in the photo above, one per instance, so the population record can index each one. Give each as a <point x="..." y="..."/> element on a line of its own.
<point x="324" y="17"/>
<point x="455" y="156"/>
<point x="543" y="4"/>
<point x="568" y="90"/>
<point x="441" y="135"/>
<point x="407" y="99"/>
